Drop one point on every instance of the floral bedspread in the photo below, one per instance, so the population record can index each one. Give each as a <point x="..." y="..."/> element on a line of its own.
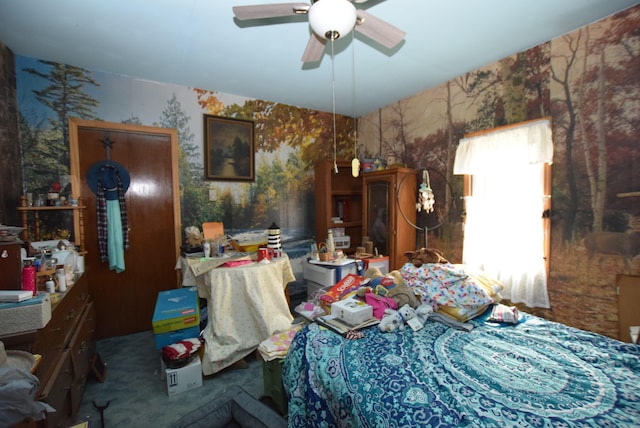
<point x="535" y="374"/>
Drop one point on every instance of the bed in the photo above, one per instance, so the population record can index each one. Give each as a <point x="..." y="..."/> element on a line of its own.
<point x="535" y="373"/>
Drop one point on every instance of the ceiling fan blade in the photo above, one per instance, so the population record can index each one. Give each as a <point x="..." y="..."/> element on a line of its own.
<point x="315" y="48"/>
<point x="274" y="10"/>
<point x="378" y="30"/>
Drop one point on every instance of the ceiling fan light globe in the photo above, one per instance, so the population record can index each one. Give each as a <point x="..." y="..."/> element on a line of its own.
<point x="332" y="19"/>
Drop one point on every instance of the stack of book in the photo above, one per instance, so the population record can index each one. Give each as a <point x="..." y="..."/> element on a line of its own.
<point x="15" y="296"/>
<point x="334" y="323"/>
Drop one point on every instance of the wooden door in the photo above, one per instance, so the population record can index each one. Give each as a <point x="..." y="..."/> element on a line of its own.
<point x="125" y="301"/>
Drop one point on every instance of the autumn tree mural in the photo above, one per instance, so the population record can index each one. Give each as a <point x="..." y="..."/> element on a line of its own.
<point x="588" y="81"/>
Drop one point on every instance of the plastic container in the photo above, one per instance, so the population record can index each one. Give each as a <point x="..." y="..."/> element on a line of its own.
<point x="29" y="278"/>
<point x="50" y="285"/>
<point x="61" y="276"/>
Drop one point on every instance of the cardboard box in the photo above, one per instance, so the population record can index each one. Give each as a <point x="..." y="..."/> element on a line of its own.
<point x="176" y="309"/>
<point x="381" y="263"/>
<point x="28" y="315"/>
<point x="327" y="275"/>
<point x="183" y="379"/>
<point x="170" y="337"/>
<point x="342" y="242"/>
<point x="352" y="311"/>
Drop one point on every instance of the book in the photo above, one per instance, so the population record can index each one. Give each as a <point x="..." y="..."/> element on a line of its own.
<point x="340" y="326"/>
<point x="337" y="262"/>
<point x="15" y="296"/>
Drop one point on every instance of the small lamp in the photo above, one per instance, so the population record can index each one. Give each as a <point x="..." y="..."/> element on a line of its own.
<point x="426" y="200"/>
<point x="332" y="19"/>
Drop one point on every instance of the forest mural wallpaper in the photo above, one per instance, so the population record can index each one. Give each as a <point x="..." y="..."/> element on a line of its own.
<point x="587" y="81"/>
<point x="288" y="141"/>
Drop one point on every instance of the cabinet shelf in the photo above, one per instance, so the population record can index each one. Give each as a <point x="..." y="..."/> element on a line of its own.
<point x="61" y="208"/>
<point x="346" y="193"/>
<point x="78" y="220"/>
<point x="347" y="224"/>
<point x="338" y="195"/>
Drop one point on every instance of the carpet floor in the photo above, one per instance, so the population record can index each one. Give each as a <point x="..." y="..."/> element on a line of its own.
<point x="135" y="393"/>
<point x="134" y="390"/>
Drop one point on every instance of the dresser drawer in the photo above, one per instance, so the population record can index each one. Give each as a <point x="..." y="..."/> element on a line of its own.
<point x="57" y="392"/>
<point x="80" y="344"/>
<point x="54" y="338"/>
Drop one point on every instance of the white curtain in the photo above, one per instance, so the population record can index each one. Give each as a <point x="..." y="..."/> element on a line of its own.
<point x="504" y="233"/>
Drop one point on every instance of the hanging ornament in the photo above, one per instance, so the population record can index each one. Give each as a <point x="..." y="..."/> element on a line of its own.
<point x="426" y="200"/>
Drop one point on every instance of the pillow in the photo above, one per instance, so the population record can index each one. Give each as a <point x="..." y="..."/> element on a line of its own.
<point x="458" y="291"/>
<point x="462" y="314"/>
<point x="504" y="314"/>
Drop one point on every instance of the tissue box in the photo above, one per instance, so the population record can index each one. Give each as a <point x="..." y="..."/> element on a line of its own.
<point x="327" y="274"/>
<point x="352" y="311"/>
<point x="25" y="316"/>
<point x="171" y="337"/>
<point x="176" y="309"/>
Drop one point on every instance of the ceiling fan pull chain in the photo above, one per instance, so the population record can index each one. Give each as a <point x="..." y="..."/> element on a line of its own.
<point x="333" y="97"/>
<point x="355" y="163"/>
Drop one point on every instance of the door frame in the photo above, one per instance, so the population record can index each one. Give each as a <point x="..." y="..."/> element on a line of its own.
<point x="74" y="156"/>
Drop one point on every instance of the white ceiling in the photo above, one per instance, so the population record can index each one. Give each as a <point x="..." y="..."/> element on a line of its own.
<point x="197" y="43"/>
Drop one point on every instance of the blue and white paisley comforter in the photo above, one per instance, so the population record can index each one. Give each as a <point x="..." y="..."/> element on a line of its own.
<point x="534" y="374"/>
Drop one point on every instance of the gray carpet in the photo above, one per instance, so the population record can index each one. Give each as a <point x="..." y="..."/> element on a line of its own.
<point x="136" y="393"/>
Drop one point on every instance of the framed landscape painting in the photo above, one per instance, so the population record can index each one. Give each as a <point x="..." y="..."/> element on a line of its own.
<point x="228" y="149"/>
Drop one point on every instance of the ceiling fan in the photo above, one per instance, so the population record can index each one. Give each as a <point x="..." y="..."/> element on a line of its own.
<point x="329" y="20"/>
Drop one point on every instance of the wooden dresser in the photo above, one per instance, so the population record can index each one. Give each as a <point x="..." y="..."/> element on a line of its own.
<point x="65" y="344"/>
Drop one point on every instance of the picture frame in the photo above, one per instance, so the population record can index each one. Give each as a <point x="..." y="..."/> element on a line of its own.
<point x="229" y="153"/>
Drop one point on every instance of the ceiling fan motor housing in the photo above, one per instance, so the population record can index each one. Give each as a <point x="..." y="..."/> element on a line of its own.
<point x="332" y="19"/>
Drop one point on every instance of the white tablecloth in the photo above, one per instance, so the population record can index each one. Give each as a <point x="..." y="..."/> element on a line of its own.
<point x="245" y="305"/>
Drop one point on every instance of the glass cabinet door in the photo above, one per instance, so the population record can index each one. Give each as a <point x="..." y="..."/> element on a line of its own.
<point x="378" y="197"/>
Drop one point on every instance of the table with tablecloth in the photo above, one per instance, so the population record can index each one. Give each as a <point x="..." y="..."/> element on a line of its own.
<point x="246" y="304"/>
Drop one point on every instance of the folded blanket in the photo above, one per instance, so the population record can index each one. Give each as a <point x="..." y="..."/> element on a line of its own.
<point x="278" y="345"/>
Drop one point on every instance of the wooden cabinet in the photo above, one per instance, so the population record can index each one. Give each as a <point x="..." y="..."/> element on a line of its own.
<point x="628" y="300"/>
<point x="10" y="265"/>
<point x="389" y="201"/>
<point x="65" y="345"/>
<point x="338" y="195"/>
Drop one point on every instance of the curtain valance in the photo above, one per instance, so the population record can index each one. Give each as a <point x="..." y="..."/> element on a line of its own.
<point x="506" y="149"/>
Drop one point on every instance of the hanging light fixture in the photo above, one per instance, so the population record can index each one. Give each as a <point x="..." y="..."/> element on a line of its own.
<point x="332" y="19"/>
<point x="426" y="200"/>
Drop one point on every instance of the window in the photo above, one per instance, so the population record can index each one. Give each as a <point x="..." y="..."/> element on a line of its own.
<point x="507" y="176"/>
